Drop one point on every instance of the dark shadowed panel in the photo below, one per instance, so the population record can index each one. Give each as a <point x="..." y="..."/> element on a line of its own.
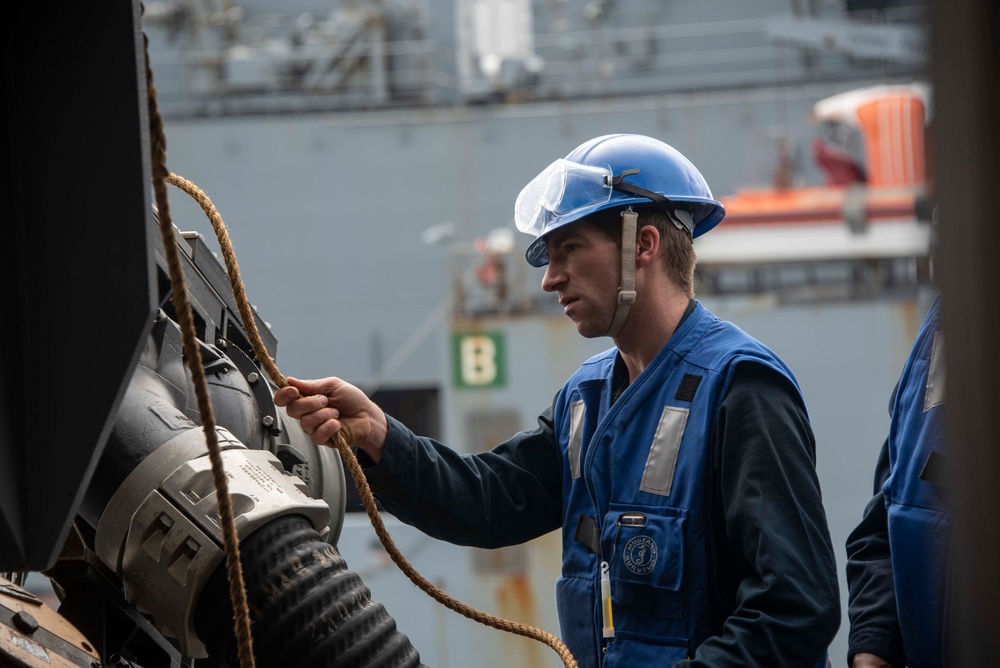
<point x="76" y="289"/>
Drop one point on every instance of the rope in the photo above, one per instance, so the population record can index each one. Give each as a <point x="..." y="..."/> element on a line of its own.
<point x="189" y="338"/>
<point x="338" y="441"/>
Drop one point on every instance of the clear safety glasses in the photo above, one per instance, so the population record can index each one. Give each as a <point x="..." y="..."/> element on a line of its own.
<point x="562" y="188"/>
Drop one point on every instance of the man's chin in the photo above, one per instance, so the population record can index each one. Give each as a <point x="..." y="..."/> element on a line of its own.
<point x="590" y="331"/>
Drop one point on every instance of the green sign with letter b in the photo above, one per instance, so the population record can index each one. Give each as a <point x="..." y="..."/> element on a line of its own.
<point x="478" y="359"/>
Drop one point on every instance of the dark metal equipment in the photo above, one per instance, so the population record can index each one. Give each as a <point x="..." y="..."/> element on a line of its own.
<point x="77" y="283"/>
<point x="105" y="484"/>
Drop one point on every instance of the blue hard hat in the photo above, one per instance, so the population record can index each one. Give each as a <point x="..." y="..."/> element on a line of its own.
<point x="609" y="172"/>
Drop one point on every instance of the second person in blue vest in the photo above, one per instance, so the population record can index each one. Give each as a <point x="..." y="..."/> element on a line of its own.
<point x="679" y="464"/>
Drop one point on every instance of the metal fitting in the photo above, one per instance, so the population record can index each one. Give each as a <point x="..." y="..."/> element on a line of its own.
<point x="173" y="542"/>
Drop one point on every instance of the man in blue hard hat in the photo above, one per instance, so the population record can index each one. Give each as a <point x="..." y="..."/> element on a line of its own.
<point x="680" y="463"/>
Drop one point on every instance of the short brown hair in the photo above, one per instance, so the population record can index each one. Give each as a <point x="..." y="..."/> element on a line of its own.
<point x="679" y="255"/>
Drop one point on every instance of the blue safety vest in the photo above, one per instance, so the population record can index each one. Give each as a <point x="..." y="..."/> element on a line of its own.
<point x="635" y="495"/>
<point x="915" y="498"/>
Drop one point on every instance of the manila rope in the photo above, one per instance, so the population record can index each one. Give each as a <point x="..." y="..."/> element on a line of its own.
<point x="236" y="585"/>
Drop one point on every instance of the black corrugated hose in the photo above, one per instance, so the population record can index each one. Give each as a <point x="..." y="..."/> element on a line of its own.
<point x="307" y="609"/>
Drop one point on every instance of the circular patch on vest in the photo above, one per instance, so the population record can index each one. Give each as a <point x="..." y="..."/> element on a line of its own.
<point x="640" y="555"/>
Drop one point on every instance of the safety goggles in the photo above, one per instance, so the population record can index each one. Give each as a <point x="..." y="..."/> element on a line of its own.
<point x="563" y="188"/>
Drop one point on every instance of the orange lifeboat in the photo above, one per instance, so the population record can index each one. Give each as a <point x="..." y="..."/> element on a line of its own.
<point x="892" y="124"/>
<point x="870" y="204"/>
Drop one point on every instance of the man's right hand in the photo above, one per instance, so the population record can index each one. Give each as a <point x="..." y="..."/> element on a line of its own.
<point x="327" y="406"/>
<point x="869" y="661"/>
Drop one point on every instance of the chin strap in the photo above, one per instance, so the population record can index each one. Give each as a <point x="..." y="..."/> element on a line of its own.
<point x="626" y="291"/>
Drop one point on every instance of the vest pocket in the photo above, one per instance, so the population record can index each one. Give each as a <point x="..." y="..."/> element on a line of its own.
<point x="644" y="547"/>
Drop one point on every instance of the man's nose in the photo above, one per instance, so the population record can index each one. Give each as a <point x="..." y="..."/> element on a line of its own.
<point x="553" y="278"/>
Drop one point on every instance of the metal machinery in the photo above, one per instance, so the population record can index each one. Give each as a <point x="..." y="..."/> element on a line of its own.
<point x="111" y="494"/>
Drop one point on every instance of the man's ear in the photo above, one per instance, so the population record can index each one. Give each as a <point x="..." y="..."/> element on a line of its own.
<point x="647" y="244"/>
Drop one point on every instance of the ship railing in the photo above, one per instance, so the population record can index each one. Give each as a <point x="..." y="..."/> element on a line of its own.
<point x="686" y="57"/>
<point x="361" y="67"/>
<point x="359" y="74"/>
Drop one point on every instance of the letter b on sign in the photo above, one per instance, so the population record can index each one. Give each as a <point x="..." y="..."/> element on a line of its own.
<point x="479" y="359"/>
